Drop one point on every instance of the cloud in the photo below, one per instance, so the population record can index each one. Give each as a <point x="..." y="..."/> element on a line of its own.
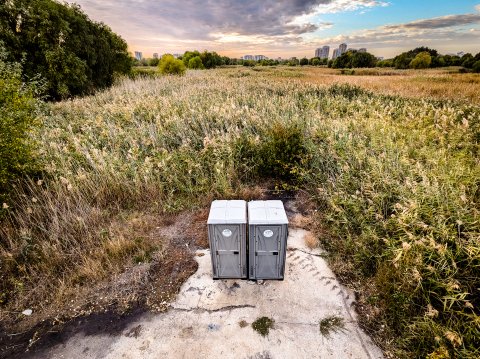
<point x="477" y="7"/>
<point x="444" y="33"/>
<point x="438" y="22"/>
<point x="140" y="22"/>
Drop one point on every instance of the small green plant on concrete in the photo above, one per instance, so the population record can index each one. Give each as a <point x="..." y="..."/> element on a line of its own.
<point x="331" y="324"/>
<point x="263" y="325"/>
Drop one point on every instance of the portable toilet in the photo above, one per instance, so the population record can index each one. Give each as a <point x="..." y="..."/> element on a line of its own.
<point x="227" y="235"/>
<point x="267" y="232"/>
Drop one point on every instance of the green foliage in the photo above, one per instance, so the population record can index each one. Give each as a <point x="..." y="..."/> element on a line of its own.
<point x="281" y="154"/>
<point x="354" y="59"/>
<point x="171" y="66"/>
<point x="188" y="55"/>
<point x="303" y="61"/>
<point x="263" y="325"/>
<point x="195" y="63"/>
<point x="423" y="60"/>
<point x="17" y="117"/>
<point x="476" y="66"/>
<point x="316" y="61"/>
<point x="211" y="59"/>
<point x="72" y="53"/>
<point x="385" y="63"/>
<point x="404" y="60"/>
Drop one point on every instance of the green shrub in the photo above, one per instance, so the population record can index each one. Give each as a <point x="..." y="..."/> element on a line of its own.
<point x="422" y="61"/>
<point x="195" y="63"/>
<point x="17" y="106"/>
<point x="476" y="66"/>
<point x="171" y="66"/>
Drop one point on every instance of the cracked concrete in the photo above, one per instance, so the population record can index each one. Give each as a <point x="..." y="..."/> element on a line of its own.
<point x="203" y="322"/>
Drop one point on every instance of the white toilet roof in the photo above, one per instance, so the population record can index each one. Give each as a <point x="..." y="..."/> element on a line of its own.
<point x="228" y="212"/>
<point x="266" y="212"/>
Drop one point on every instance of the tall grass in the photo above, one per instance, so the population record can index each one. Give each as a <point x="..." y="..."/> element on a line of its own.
<point x="396" y="183"/>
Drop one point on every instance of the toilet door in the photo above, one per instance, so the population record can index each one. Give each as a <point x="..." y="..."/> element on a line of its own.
<point x="227" y="251"/>
<point x="267" y="251"/>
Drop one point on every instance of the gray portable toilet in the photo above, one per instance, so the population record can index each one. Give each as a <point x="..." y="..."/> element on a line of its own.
<point x="227" y="234"/>
<point x="267" y="233"/>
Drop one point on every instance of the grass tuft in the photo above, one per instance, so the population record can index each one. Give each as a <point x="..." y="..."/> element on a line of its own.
<point x="331" y="324"/>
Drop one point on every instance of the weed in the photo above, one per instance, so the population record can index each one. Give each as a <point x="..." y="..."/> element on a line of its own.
<point x="263" y="325"/>
<point x="331" y="324"/>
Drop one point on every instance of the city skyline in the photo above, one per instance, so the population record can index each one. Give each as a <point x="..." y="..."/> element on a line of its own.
<point x="285" y="28"/>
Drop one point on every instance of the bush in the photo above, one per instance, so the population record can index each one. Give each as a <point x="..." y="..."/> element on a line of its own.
<point x="17" y="105"/>
<point x="195" y="63"/>
<point x="422" y="61"/>
<point x="171" y="66"/>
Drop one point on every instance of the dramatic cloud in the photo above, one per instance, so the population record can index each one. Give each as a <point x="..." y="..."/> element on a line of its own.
<point x="171" y="23"/>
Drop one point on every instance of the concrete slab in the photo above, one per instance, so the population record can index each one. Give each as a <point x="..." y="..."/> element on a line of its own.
<point x="204" y="320"/>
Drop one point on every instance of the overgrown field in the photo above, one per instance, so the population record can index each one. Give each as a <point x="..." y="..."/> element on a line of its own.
<point x="395" y="183"/>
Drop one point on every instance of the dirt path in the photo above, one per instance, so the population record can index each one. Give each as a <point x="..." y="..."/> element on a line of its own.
<point x="204" y="320"/>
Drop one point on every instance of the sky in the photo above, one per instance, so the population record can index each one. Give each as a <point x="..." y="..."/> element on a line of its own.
<point x="286" y="28"/>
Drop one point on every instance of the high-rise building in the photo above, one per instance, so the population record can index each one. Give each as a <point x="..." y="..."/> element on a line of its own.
<point x="323" y="52"/>
<point x="138" y="55"/>
<point x="342" y="49"/>
<point x="363" y="49"/>
<point x="335" y="54"/>
<point x="248" y="57"/>
<point x="260" y="57"/>
<point x="155" y="55"/>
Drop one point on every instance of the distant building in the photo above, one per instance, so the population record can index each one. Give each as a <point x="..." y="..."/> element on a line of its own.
<point x="323" y="52"/>
<point x="460" y="54"/>
<point x="138" y="55"/>
<point x="342" y="49"/>
<point x="177" y="55"/>
<point x="335" y="54"/>
<point x="248" y="57"/>
<point x="155" y="55"/>
<point x="260" y="57"/>
<point x="363" y="49"/>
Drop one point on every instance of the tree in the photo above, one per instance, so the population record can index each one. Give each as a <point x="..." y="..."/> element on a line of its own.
<point x="210" y="59"/>
<point x="304" y="61"/>
<point x="153" y="61"/>
<point x="316" y="61"/>
<point x="476" y="66"/>
<point x="423" y="60"/>
<point x="467" y="61"/>
<point x="58" y="41"/>
<point x="344" y="61"/>
<point x="169" y="65"/>
<point x="363" y="59"/>
<point x="195" y="63"/>
<point x="189" y="55"/>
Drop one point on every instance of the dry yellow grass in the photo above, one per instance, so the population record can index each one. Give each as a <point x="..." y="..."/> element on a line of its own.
<point x="441" y="84"/>
<point x="311" y="241"/>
